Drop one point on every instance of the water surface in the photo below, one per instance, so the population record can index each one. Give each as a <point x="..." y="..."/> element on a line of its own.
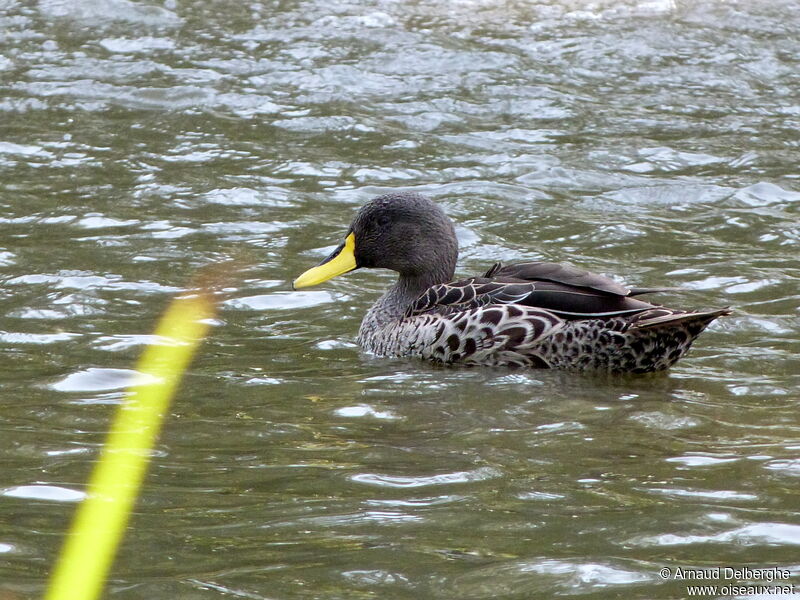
<point x="650" y="140"/>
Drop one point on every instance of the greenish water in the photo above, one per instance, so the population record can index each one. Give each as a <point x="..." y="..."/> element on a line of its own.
<point x="653" y="141"/>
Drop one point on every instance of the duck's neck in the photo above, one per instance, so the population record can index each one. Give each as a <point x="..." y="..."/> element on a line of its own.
<point x="394" y="303"/>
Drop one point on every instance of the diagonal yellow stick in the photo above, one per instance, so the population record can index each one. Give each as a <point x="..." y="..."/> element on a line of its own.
<point x="101" y="518"/>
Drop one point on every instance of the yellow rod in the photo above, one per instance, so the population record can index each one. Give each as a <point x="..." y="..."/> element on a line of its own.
<point x="102" y="517"/>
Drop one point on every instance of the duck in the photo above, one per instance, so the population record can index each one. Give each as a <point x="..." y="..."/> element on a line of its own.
<point x="529" y="314"/>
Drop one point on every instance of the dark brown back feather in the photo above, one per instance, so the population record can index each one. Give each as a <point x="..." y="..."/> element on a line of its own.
<point x="567" y="301"/>
<point x="557" y="273"/>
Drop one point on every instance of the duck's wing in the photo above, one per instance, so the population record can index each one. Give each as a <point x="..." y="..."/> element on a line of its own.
<point x="558" y="273"/>
<point x="569" y="275"/>
<point x="467" y="294"/>
<point x="568" y="301"/>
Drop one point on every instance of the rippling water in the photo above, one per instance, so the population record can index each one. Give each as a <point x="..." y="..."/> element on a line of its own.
<point x="649" y="139"/>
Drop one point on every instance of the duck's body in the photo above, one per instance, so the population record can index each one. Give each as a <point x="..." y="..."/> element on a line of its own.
<point x="531" y="314"/>
<point x="500" y="320"/>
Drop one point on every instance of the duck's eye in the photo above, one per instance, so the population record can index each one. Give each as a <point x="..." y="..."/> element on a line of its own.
<point x="383" y="221"/>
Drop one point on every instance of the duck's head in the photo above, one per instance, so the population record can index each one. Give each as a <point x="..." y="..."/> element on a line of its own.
<point x="404" y="232"/>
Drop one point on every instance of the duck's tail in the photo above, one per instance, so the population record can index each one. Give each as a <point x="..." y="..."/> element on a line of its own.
<point x="660" y="317"/>
<point x="660" y="336"/>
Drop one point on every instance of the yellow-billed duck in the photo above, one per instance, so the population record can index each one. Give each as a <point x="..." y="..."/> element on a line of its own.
<point x="533" y="314"/>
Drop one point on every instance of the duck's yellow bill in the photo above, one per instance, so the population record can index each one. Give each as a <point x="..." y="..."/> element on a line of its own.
<point x="341" y="261"/>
